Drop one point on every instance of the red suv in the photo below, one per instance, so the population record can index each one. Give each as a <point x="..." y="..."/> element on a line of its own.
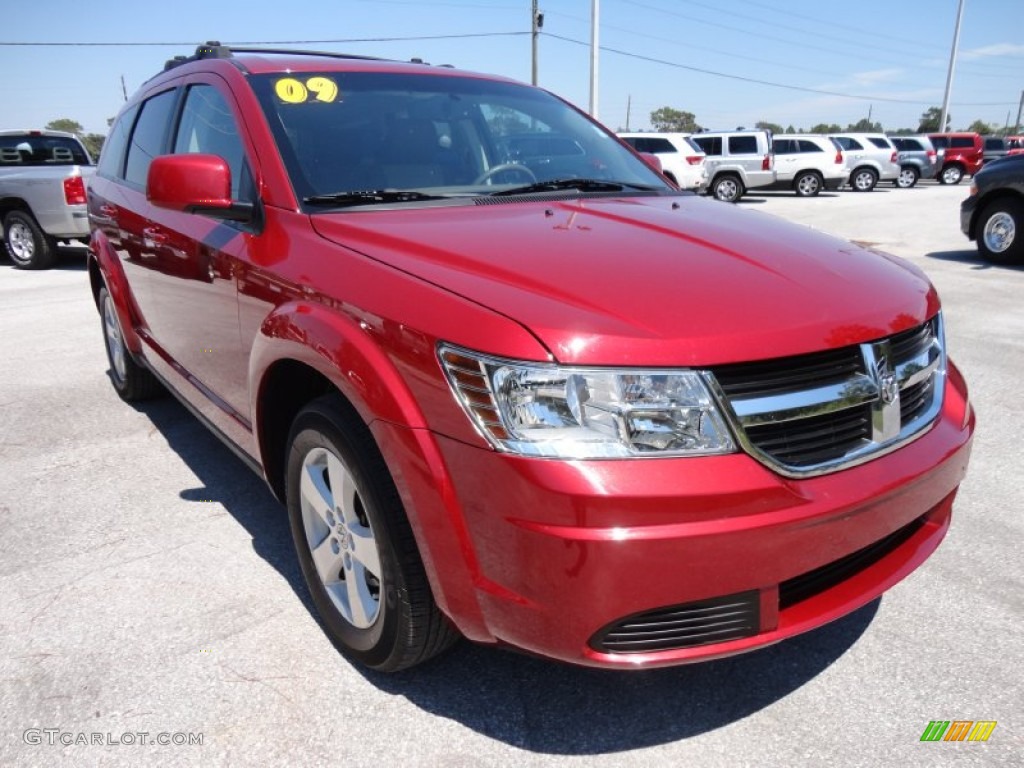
<point x="963" y="155"/>
<point x="509" y="383"/>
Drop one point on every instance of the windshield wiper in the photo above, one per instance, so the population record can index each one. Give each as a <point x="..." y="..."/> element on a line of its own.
<point x="583" y="185"/>
<point x="370" y="197"/>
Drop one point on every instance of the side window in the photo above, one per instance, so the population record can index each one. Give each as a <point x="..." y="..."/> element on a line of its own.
<point x="208" y="127"/>
<point x="148" y="138"/>
<point x="880" y="143"/>
<point x="847" y="143"/>
<point x="785" y="146"/>
<point x="940" y="142"/>
<point x="809" y="146"/>
<point x="712" y="145"/>
<point x="633" y="142"/>
<point x="660" y="145"/>
<point x="962" y="142"/>
<point x="993" y="144"/>
<point x="743" y="145"/>
<point x="111" y="162"/>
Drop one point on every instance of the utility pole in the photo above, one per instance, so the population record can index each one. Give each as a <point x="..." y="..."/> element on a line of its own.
<point x="629" y="105"/>
<point x="952" y="63"/>
<point x="536" y="23"/>
<point x="124" y="89"/>
<point x="595" y="10"/>
<point x="1020" y="109"/>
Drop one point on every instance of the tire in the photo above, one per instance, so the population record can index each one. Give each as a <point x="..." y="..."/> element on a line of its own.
<point x="727" y="188"/>
<point x="131" y="381"/>
<point x="951" y="174"/>
<point x="807" y="184"/>
<point x="908" y="177"/>
<point x="1000" y="232"/>
<point x="863" y="180"/>
<point x="356" y="548"/>
<point x="29" y="247"/>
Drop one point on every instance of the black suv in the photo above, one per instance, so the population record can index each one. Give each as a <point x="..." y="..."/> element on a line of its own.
<point x="994" y="213"/>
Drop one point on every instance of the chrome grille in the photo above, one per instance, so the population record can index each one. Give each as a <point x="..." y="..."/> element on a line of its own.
<point x="811" y="414"/>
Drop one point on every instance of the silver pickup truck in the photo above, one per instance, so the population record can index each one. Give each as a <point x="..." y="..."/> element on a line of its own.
<point x="42" y="193"/>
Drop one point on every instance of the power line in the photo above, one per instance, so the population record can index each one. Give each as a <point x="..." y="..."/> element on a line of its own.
<point x="756" y="81"/>
<point x="267" y="42"/>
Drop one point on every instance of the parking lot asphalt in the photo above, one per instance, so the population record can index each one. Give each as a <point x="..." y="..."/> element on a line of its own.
<point x="148" y="585"/>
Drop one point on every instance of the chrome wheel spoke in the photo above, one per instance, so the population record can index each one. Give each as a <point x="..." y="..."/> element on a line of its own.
<point x="361" y="604"/>
<point x="364" y="550"/>
<point x="344" y="491"/>
<point x="316" y="495"/>
<point x="329" y="560"/>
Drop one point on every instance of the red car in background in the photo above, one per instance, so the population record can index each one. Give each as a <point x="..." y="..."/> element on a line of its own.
<point x="963" y="155"/>
<point x="536" y="398"/>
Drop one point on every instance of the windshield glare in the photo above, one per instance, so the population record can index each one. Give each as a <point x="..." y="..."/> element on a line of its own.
<point x="443" y="135"/>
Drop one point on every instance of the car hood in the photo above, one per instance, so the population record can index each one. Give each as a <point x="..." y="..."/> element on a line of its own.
<point x="652" y="281"/>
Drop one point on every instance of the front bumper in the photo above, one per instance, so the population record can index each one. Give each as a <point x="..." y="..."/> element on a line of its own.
<point x="565" y="551"/>
<point x="967" y="209"/>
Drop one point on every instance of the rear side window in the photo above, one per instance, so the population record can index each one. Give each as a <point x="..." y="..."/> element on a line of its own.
<point x="908" y="145"/>
<point x="712" y="145"/>
<point x="993" y="143"/>
<point x="962" y="142"/>
<point x="742" y="145"/>
<point x="36" y="149"/>
<point x="659" y="145"/>
<point x="806" y="146"/>
<point x="785" y="146"/>
<point x="847" y="143"/>
<point x="112" y="158"/>
<point x="940" y="142"/>
<point x="880" y="143"/>
<point x="149" y="137"/>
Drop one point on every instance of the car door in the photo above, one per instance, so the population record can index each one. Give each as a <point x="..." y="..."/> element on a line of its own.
<point x="786" y="159"/>
<point x="194" y="305"/>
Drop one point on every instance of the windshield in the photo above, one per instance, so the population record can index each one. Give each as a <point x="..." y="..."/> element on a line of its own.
<point x="443" y="136"/>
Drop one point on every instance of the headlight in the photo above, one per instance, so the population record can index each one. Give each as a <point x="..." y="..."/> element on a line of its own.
<point x="585" y="413"/>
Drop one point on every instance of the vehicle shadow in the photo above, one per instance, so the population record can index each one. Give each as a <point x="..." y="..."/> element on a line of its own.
<point x="970" y="257"/>
<point x="225" y="479"/>
<point x="553" y="708"/>
<point x="524" y="701"/>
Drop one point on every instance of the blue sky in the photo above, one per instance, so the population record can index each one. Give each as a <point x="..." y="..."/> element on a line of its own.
<point x="892" y="53"/>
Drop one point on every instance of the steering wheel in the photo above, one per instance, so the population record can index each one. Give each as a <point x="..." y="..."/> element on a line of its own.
<point x="490" y="173"/>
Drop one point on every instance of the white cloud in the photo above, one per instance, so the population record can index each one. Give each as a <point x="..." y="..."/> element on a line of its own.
<point x="990" y="51"/>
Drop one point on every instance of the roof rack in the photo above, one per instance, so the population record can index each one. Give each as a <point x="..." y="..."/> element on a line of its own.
<point x="213" y="49"/>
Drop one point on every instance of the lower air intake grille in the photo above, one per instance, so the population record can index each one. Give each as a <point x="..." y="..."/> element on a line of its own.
<point x="814" y="582"/>
<point x="683" y="626"/>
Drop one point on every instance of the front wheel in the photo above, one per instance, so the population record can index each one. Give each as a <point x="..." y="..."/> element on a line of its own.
<point x="27" y="244"/>
<point x="354" y="543"/>
<point x="863" y="180"/>
<point x="728" y="189"/>
<point x="908" y="177"/>
<point x="807" y="184"/>
<point x="951" y="174"/>
<point x="1000" y="238"/>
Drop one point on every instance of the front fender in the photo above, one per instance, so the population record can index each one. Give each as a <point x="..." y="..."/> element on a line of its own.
<point x="350" y="352"/>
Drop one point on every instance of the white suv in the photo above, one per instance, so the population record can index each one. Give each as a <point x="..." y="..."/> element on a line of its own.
<point x="681" y="160"/>
<point x="807" y="164"/>
<point x="871" y="158"/>
<point x="737" y="161"/>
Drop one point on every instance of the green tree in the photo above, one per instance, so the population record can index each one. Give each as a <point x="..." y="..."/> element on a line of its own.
<point x="903" y="132"/>
<point x="864" y="126"/>
<point x="825" y="128"/>
<point x="980" y="126"/>
<point x="930" y="120"/>
<point x="669" y="119"/>
<point x="66" y="124"/>
<point x="92" y="141"/>
<point x="773" y="127"/>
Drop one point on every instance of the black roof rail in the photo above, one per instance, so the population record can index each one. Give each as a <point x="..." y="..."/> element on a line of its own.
<point x="213" y="49"/>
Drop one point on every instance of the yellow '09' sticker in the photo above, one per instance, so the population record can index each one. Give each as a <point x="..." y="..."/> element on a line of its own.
<point x="293" y="91"/>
